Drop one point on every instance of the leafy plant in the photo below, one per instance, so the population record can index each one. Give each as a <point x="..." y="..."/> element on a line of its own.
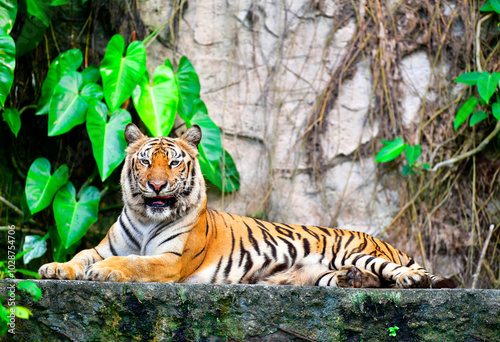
<point x="8" y="309"/>
<point x="393" y="330"/>
<point x="72" y="96"/>
<point x="394" y="148"/>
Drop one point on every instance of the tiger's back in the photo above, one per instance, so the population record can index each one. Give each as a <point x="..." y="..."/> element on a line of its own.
<point x="166" y="233"/>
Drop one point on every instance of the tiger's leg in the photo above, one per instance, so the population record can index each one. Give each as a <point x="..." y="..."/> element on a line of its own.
<point x="75" y="268"/>
<point x="348" y="276"/>
<point x="437" y="282"/>
<point x="402" y="276"/>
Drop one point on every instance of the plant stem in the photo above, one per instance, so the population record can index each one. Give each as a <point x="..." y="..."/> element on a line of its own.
<point x="481" y="258"/>
<point x="479" y="148"/>
<point x="478" y="41"/>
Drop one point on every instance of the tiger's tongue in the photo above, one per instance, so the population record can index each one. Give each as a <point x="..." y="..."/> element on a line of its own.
<point x="161" y="199"/>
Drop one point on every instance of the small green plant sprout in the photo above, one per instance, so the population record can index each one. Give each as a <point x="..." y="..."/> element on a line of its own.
<point x="486" y="84"/>
<point x="392" y="330"/>
<point x="393" y="149"/>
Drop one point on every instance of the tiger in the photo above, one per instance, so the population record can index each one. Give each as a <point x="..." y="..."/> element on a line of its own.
<point x="166" y="233"/>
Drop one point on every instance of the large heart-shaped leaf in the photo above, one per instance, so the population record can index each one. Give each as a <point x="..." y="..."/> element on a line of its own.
<point x="13" y="119"/>
<point x="8" y="12"/>
<point x="465" y="110"/>
<point x="40" y="9"/>
<point x="67" y="107"/>
<point x="64" y="63"/>
<point x="486" y="85"/>
<point x="108" y="139"/>
<point x="36" y="245"/>
<point x="7" y="65"/>
<point x="120" y="74"/>
<point x="189" y="87"/>
<point x="74" y="218"/>
<point x="391" y="150"/>
<point x="211" y="144"/>
<point x="41" y="185"/>
<point x="31" y="35"/>
<point x="157" y="104"/>
<point x="91" y="91"/>
<point x="412" y="153"/>
<point x="222" y="173"/>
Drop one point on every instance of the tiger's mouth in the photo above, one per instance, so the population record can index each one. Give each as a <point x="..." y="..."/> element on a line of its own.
<point x="160" y="201"/>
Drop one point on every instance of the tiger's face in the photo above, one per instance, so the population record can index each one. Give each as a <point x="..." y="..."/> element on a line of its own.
<point x="161" y="178"/>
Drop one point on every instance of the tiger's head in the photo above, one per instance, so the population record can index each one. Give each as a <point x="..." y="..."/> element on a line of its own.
<point x="161" y="179"/>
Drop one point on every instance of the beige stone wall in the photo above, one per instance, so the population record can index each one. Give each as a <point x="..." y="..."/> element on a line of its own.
<point x="262" y="66"/>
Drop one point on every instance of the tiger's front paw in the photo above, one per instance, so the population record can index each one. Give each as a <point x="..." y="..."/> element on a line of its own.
<point x="101" y="272"/>
<point x="63" y="271"/>
<point x="413" y="279"/>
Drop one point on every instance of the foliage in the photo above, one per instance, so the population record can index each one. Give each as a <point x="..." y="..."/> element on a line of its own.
<point x="74" y="93"/>
<point x="393" y="330"/>
<point x="8" y="309"/>
<point x="486" y="84"/>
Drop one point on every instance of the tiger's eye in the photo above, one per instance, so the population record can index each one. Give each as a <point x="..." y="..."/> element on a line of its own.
<point x="174" y="163"/>
<point x="144" y="162"/>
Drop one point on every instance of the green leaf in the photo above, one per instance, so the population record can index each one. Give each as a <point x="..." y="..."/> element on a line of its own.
<point x="487" y="84"/>
<point x="28" y="273"/>
<point x="58" y="251"/>
<point x="37" y="246"/>
<point x="108" y="138"/>
<point x="157" y="104"/>
<point x="491" y="6"/>
<point x="92" y="91"/>
<point x="391" y="151"/>
<point x="426" y="166"/>
<point x="211" y="144"/>
<point x="496" y="110"/>
<point x="67" y="107"/>
<point x="469" y="78"/>
<point x="221" y="173"/>
<point x="13" y="119"/>
<point x="73" y="218"/>
<point x="189" y="87"/>
<point x="7" y="65"/>
<point x="477" y="117"/>
<point x="40" y="9"/>
<point x="407" y="169"/>
<point x="31" y="35"/>
<point x="120" y="74"/>
<point x="64" y="63"/>
<point x="8" y="12"/>
<point x="465" y="110"/>
<point x="90" y="74"/>
<point x="412" y="153"/>
<point x="41" y="185"/>
<point x="30" y="288"/>
<point x="59" y="2"/>
<point x="22" y="312"/>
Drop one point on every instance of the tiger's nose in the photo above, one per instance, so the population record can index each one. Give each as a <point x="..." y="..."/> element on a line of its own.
<point x="157" y="187"/>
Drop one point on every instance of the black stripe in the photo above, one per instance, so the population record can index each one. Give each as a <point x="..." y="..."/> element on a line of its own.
<point x="175" y="253"/>
<point x="216" y="271"/>
<point x="321" y="277"/>
<point x="252" y="239"/>
<point x="382" y="268"/>
<point x="173" y="237"/>
<point x="131" y="223"/>
<point x="197" y="255"/>
<point x="284" y="231"/>
<point x="113" y="250"/>
<point x="411" y="262"/>
<point x="277" y="268"/>
<point x="307" y="247"/>
<point x="230" y="261"/>
<point x="325" y="230"/>
<point x="128" y="233"/>
<point x="349" y="241"/>
<point x="311" y="232"/>
<point x="98" y="253"/>
<point x="367" y="261"/>
<point x="291" y="249"/>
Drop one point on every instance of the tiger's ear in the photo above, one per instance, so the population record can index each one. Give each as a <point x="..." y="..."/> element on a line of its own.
<point x="132" y="133"/>
<point x="192" y="136"/>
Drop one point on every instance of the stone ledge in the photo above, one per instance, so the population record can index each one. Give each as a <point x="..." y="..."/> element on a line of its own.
<point x="91" y="311"/>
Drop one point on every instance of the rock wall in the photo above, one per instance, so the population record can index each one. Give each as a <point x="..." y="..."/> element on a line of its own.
<point x="263" y="65"/>
<point x="93" y="311"/>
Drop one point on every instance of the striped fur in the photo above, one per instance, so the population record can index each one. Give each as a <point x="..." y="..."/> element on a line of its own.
<point x="166" y="233"/>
